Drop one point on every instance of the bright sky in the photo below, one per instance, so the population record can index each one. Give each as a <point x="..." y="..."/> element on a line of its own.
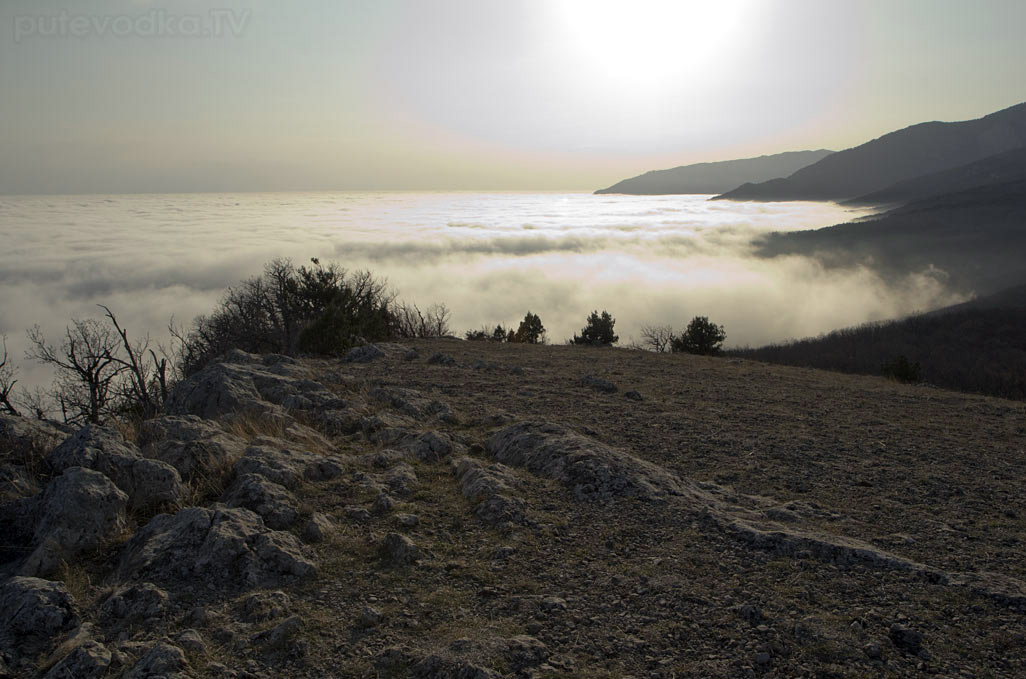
<point x="133" y="95"/>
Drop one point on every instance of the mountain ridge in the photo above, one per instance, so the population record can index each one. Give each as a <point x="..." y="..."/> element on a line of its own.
<point x="900" y="155"/>
<point x="714" y="177"/>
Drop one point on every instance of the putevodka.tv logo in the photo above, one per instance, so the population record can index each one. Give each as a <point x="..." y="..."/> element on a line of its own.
<point x="157" y="23"/>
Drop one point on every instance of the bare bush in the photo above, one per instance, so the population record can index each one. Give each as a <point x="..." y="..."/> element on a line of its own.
<point x="7" y="380"/>
<point x="657" y="337"/>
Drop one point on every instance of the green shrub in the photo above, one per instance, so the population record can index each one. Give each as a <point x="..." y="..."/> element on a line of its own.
<point x="531" y="330"/>
<point x="598" y="332"/>
<point x="700" y="337"/>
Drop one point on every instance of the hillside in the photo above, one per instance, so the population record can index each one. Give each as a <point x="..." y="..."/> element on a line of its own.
<point x="973" y="348"/>
<point x="976" y="237"/>
<point x="1000" y="169"/>
<point x="466" y="509"/>
<point x="905" y="154"/>
<point x="716" y="177"/>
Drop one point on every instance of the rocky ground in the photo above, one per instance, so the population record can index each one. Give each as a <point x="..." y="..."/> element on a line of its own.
<point x="473" y="510"/>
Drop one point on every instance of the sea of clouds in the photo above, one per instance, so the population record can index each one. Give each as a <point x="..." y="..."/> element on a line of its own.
<point x="489" y="257"/>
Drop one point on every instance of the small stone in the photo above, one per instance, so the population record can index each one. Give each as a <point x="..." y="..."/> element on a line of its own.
<point x="370" y="617"/>
<point x="407" y="520"/>
<point x="357" y="514"/>
<point x="317" y="528"/>
<point x="905" y="639"/>
<point x="633" y="396"/>
<point x="442" y="359"/>
<point x="383" y="504"/>
<point x="399" y="550"/>
<point x="598" y="384"/>
<point x="762" y="658"/>
<point x="191" y="641"/>
<point x="280" y="633"/>
<point x="873" y="650"/>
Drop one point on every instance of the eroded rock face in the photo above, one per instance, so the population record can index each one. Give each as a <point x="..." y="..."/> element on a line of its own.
<point x="489" y="489"/>
<point x="88" y="660"/>
<point x="163" y="661"/>
<point x="275" y="505"/>
<point x="592" y="470"/>
<point x="24" y="443"/>
<point x="134" y="604"/>
<point x="79" y="511"/>
<point x="146" y="482"/>
<point x="229" y="548"/>
<point x="189" y="444"/>
<point x="285" y="465"/>
<point x="251" y="385"/>
<point x="34" y="615"/>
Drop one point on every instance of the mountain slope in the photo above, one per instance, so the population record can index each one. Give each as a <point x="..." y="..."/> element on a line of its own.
<point x="997" y="169"/>
<point x="716" y="177"/>
<point x="976" y="237"/>
<point x="912" y="152"/>
<point x="976" y="346"/>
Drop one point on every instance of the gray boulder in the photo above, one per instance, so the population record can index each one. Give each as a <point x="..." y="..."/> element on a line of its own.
<point x="275" y="505"/>
<point x="79" y="511"/>
<point x="598" y="384"/>
<point x="135" y="604"/>
<point x="592" y="470"/>
<point x="264" y="606"/>
<point x="189" y="444"/>
<point x="247" y="384"/>
<point x="489" y="490"/>
<point x="286" y="466"/>
<point x="147" y="482"/>
<point x="399" y="550"/>
<point x="364" y="354"/>
<point x="34" y="615"/>
<point x="163" y="661"/>
<point x="88" y="660"/>
<point x="228" y="548"/>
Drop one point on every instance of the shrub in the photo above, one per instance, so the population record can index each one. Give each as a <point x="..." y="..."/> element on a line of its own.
<point x="902" y="370"/>
<point x="700" y="337"/>
<point x="317" y="309"/>
<point x="598" y="332"/>
<point x="531" y="330"/>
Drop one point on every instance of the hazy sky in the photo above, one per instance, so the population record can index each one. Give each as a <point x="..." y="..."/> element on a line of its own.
<point x="137" y="95"/>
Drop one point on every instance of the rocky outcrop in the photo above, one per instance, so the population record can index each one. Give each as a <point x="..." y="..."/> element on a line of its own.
<point x="191" y="445"/>
<point x="489" y="488"/>
<point x="592" y="470"/>
<point x="250" y="385"/>
<point x="88" y="660"/>
<point x="275" y="505"/>
<point x="223" y="547"/>
<point x="147" y="482"/>
<point x="162" y="661"/>
<point x="34" y="615"/>
<point x="136" y="604"/>
<point x="79" y="511"/>
<point x="282" y="463"/>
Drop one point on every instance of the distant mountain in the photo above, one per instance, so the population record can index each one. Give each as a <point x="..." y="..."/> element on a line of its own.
<point x="912" y="152"/>
<point x="716" y="177"/>
<point x="977" y="237"/>
<point x="1002" y="168"/>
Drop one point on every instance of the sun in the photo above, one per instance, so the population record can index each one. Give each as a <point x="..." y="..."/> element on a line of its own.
<point x="649" y="41"/>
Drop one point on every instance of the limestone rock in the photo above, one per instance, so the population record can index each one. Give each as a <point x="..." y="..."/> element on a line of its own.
<point x="189" y="444"/>
<point x="598" y="384"/>
<point x="399" y="550"/>
<point x="163" y="661"/>
<point x="592" y="470"/>
<point x="220" y="546"/>
<point x="264" y="606"/>
<point x="146" y="482"/>
<point x="88" y="660"/>
<point x="364" y="354"/>
<point x="489" y="489"/>
<point x="78" y="512"/>
<point x="317" y="528"/>
<point x="34" y="615"/>
<point x="134" y="604"/>
<point x="278" y="462"/>
<point x="275" y="505"/>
